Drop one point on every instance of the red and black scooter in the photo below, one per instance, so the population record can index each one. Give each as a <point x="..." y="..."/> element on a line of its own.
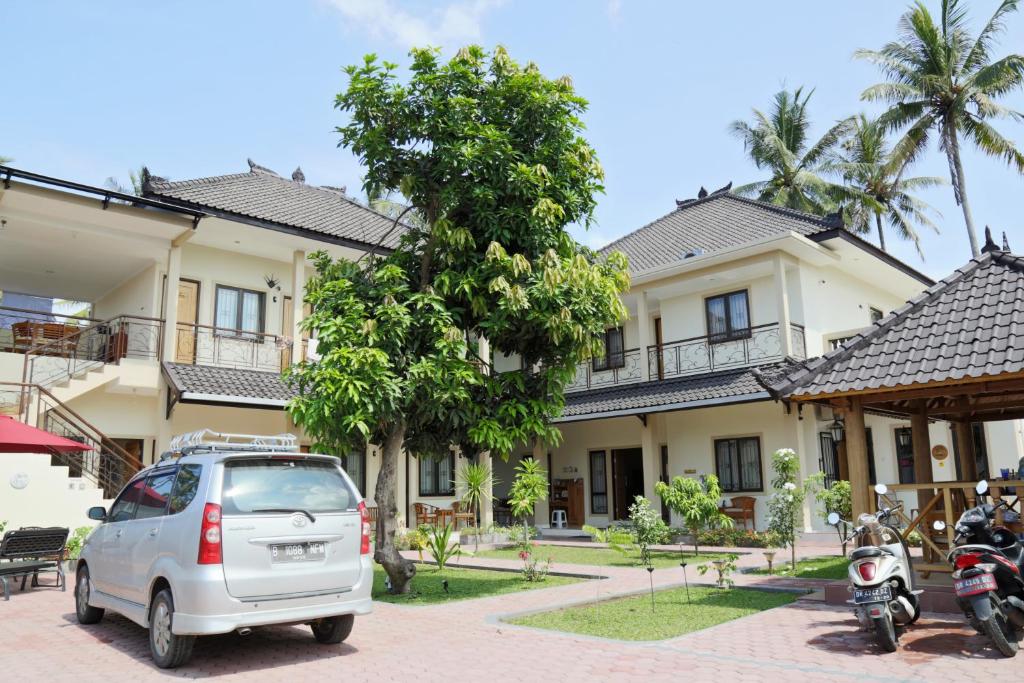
<point x="987" y="575"/>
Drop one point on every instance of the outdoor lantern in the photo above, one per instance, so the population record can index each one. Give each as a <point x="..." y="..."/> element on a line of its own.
<point x="838" y="430"/>
<point x="903" y="437"/>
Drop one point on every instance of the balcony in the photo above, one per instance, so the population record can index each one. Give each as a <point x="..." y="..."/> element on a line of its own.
<point x="237" y="349"/>
<point x="694" y="356"/>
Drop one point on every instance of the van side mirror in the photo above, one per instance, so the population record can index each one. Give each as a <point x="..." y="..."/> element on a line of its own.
<point x="98" y="513"/>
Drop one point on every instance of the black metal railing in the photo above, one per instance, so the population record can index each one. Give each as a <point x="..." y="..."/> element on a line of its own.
<point x="72" y="351"/>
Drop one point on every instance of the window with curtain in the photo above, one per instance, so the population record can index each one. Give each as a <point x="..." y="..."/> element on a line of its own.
<point x="238" y="309"/>
<point x="614" y="356"/>
<point x="598" y="483"/>
<point x="355" y="467"/>
<point x="436" y="476"/>
<point x="738" y="464"/>
<point x="728" y="316"/>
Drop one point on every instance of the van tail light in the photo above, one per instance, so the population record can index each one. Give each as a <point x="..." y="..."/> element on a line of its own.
<point x="210" y="536"/>
<point x="867" y="570"/>
<point x="364" y="514"/>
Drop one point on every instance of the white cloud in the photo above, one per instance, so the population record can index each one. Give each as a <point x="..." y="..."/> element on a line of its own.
<point x="614" y="9"/>
<point x="451" y="25"/>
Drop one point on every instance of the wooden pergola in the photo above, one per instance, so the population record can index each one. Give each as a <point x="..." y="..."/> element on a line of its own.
<point x="953" y="353"/>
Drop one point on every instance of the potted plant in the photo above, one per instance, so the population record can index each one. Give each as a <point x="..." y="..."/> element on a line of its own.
<point x="73" y="549"/>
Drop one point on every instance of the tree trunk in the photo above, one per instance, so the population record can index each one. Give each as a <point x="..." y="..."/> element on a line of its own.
<point x="960" y="189"/>
<point x="881" y="233"/>
<point x="696" y="550"/>
<point x="399" y="569"/>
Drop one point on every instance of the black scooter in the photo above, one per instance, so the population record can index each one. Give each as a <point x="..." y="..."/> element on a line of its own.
<point x="988" y="575"/>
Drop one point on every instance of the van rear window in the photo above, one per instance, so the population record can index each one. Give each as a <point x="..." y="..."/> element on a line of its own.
<point x="275" y="485"/>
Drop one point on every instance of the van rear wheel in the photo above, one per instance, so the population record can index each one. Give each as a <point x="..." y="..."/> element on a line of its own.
<point x="332" y="630"/>
<point x="169" y="650"/>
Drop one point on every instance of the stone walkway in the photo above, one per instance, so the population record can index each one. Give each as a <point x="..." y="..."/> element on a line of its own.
<point x="466" y="641"/>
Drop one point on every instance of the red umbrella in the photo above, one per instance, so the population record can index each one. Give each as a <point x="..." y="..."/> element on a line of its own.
<point x="18" y="437"/>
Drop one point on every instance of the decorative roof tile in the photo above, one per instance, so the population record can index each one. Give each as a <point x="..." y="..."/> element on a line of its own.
<point x="195" y="382"/>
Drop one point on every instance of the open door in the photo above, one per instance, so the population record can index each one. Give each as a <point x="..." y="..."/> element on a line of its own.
<point x="627" y="479"/>
<point x="188" y="317"/>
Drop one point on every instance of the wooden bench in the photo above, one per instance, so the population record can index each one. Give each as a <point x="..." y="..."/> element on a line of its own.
<point x="28" y="551"/>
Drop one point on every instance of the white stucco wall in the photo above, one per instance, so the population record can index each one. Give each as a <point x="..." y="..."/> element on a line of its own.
<point x="50" y="497"/>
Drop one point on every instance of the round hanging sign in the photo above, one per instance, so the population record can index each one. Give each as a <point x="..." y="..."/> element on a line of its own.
<point x="940" y="452"/>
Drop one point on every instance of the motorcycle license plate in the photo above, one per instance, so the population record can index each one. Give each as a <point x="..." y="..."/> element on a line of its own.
<point x="982" y="583"/>
<point x="877" y="594"/>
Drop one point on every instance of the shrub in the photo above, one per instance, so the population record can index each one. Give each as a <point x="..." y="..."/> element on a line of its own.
<point x="441" y="547"/>
<point x="696" y="502"/>
<point x="75" y="542"/>
<point x="648" y="528"/>
<point x="724" y="569"/>
<point x="738" y="538"/>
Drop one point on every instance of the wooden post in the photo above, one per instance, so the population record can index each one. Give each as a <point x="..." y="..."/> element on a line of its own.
<point x="965" y="451"/>
<point x="857" y="456"/>
<point x="844" y="462"/>
<point x="922" y="461"/>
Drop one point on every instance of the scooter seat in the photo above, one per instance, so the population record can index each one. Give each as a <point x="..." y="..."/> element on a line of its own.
<point x="869" y="551"/>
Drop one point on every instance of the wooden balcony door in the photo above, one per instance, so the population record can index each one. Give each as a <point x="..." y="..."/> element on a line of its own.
<point x="188" y="317"/>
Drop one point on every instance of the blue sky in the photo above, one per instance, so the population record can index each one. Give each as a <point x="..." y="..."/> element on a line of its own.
<point x="193" y="88"/>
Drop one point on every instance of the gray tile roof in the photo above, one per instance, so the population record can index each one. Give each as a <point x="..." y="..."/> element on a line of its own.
<point x="695" y="391"/>
<point x="263" y="196"/>
<point x="969" y="325"/>
<point x="717" y="221"/>
<point x="227" y="384"/>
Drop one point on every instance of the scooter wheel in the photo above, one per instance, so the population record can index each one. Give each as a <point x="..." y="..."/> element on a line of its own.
<point x="1002" y="635"/>
<point x="885" y="633"/>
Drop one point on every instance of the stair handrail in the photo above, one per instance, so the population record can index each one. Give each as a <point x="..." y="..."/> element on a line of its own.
<point x="121" y="454"/>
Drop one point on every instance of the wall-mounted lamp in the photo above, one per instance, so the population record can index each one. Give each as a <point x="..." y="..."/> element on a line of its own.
<point x="838" y="430"/>
<point x="272" y="283"/>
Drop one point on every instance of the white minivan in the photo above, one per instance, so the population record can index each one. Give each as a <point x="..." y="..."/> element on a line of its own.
<point x="228" y="532"/>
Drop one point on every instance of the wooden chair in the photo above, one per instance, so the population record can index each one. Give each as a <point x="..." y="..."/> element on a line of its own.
<point x="65" y="334"/>
<point x="23" y="336"/>
<point x="741" y="509"/>
<point x="462" y="515"/>
<point x="425" y="514"/>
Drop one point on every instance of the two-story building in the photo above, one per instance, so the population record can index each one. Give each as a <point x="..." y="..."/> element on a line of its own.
<point x="723" y="286"/>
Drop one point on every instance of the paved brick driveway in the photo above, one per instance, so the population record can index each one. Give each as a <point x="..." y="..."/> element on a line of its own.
<point x="40" y="640"/>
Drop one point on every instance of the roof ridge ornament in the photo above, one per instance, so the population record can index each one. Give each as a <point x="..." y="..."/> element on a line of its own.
<point x="990" y="245"/>
<point x="1006" y="245"/>
<point x="298" y="176"/>
<point x="256" y="168"/>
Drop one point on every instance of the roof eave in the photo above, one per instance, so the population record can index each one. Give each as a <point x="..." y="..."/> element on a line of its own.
<point x="889" y="259"/>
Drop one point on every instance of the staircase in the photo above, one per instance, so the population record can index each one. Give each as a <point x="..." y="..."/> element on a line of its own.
<point x="107" y="467"/>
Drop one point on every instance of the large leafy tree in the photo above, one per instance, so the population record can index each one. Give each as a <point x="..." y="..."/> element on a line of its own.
<point x="867" y="164"/>
<point x="941" y="80"/>
<point x="490" y="156"/>
<point x="777" y="141"/>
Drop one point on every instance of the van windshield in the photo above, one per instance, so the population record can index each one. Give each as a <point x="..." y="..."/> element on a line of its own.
<point x="261" y="484"/>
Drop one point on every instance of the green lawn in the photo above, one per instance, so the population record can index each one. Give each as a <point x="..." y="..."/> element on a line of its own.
<point x="604" y="557"/>
<point x="427" y="587"/>
<point x="811" y="568"/>
<point x="633" y="619"/>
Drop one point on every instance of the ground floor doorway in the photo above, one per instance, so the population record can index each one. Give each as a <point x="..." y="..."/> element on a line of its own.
<point x="627" y="479"/>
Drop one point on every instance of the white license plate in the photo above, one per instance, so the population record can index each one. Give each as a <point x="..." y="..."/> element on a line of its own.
<point x="982" y="583"/>
<point x="877" y="594"/>
<point x="298" y="552"/>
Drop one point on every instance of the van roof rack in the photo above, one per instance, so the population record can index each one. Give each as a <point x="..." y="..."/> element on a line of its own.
<point x="207" y="441"/>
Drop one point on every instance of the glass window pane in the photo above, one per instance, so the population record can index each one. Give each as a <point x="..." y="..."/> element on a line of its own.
<point x="750" y="474"/>
<point x="227" y="308"/>
<point x="598" y="483"/>
<point x="251" y="309"/>
<point x="154" y="497"/>
<point x="185" y="486"/>
<point x="123" y="508"/>
<point x="426" y="476"/>
<point x="738" y="318"/>
<point x="354" y="464"/>
<point x="311" y="485"/>
<point x="716" y="316"/>
<point x="724" y="465"/>
<point x="444" y="474"/>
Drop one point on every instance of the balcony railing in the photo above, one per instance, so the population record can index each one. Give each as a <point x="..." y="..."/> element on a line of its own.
<point x="694" y="356"/>
<point x="238" y="349"/>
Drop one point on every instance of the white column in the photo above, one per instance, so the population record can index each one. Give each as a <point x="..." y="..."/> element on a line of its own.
<point x="643" y="322"/>
<point x="171" y="304"/>
<point x="298" y="294"/>
<point x="782" y="306"/>
<point x="651" y="454"/>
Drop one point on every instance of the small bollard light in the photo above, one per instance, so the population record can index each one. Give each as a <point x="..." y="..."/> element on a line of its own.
<point x="770" y="556"/>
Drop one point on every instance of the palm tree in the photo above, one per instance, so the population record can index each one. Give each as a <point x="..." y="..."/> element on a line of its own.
<point x="135" y="178"/>
<point x="5" y="160"/>
<point x="867" y="165"/>
<point x="476" y="481"/>
<point x="777" y="141"/>
<point x="939" y="78"/>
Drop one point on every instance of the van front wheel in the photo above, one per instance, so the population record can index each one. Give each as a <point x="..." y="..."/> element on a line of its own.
<point x="332" y="630"/>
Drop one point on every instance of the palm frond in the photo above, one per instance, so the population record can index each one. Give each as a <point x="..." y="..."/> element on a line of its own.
<point x="990" y="141"/>
<point x="980" y="52"/>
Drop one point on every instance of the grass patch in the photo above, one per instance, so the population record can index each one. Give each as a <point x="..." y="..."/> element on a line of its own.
<point x="811" y="568"/>
<point x="428" y="589"/>
<point x="632" y="618"/>
<point x="602" y="557"/>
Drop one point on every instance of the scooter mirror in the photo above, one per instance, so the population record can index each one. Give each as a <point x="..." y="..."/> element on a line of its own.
<point x="939" y="525"/>
<point x="881" y="489"/>
<point x="833" y="518"/>
<point x="982" y="487"/>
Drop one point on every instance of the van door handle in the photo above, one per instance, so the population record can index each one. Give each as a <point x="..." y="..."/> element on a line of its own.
<point x="153" y="531"/>
<point x="119" y="532"/>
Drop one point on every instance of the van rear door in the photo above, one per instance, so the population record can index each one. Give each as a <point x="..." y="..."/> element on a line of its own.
<point x="290" y="527"/>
